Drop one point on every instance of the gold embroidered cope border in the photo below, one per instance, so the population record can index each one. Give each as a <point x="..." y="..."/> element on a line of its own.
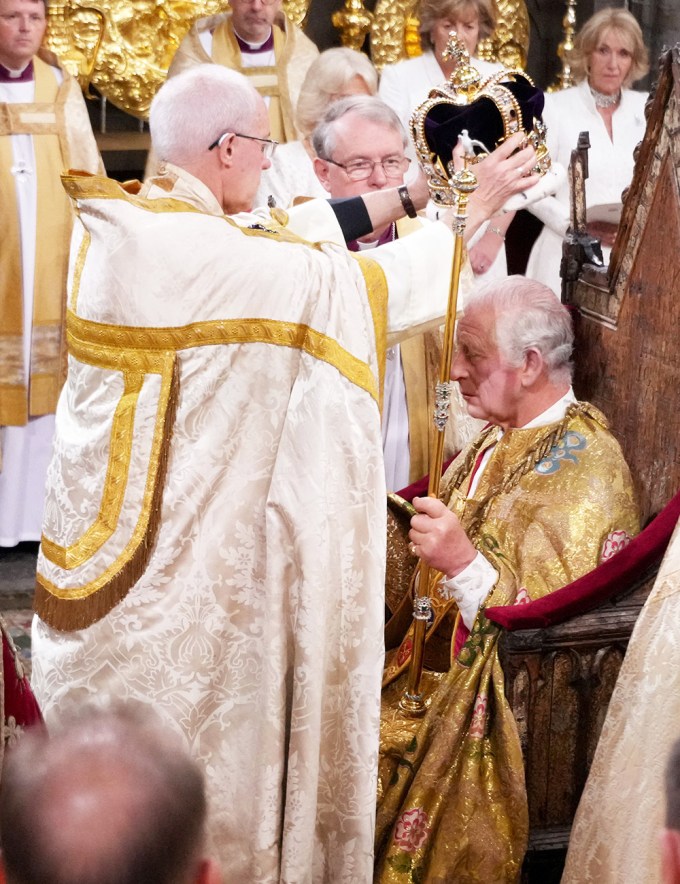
<point x="137" y="352"/>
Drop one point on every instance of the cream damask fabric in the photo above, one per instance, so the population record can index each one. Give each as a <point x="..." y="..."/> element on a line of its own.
<point x="255" y="630"/>
<point x="615" y="832"/>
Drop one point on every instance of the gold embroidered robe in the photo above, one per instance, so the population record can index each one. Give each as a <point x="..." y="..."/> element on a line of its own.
<point x="214" y="527"/>
<point x="59" y="125"/>
<point x="294" y="52"/>
<point x="551" y="503"/>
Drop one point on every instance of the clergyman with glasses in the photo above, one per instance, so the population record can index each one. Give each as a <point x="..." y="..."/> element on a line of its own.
<point x="214" y="539"/>
<point x="360" y="146"/>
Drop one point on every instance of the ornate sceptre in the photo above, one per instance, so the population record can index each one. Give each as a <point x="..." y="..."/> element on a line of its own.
<point x="435" y="129"/>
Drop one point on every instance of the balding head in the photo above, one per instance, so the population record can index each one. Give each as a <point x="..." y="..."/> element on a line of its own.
<point x="194" y="108"/>
<point x="107" y="799"/>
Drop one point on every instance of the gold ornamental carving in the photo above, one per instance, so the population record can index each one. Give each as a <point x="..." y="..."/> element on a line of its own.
<point x="354" y="22"/>
<point x="393" y="29"/>
<point x="124" y="47"/>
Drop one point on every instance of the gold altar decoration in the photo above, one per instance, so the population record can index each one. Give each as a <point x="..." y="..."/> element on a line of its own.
<point x="392" y="30"/>
<point x="565" y="78"/>
<point x="124" y="47"/>
<point x="353" y="21"/>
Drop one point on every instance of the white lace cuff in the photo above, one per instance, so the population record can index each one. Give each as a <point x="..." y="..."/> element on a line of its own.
<point x="470" y="588"/>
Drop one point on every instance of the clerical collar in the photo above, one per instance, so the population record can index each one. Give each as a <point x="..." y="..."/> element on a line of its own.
<point x="554" y="412"/>
<point x="389" y="234"/>
<point x="267" y="46"/>
<point x="25" y="76"/>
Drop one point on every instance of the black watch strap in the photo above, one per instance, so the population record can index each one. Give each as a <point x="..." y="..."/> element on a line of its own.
<point x="406" y="201"/>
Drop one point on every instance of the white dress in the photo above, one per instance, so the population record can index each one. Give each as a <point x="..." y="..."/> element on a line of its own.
<point x="610" y="166"/>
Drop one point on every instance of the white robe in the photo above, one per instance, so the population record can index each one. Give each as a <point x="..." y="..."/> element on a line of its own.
<point x="610" y="167"/>
<point x="291" y="174"/>
<point x="615" y="836"/>
<point x="255" y="630"/>
<point x="25" y="450"/>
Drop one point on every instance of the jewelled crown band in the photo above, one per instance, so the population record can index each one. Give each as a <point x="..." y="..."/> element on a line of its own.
<point x="485" y="111"/>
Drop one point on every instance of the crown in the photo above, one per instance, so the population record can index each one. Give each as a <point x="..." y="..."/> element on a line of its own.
<point x="483" y="111"/>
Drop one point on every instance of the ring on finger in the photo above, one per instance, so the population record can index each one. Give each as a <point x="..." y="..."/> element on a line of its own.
<point x="412" y="549"/>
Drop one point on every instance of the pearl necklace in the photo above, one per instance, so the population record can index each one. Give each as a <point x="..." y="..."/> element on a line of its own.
<point x="602" y="100"/>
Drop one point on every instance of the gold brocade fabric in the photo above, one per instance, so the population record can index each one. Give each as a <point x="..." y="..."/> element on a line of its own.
<point x="552" y="503"/>
<point x="58" y="124"/>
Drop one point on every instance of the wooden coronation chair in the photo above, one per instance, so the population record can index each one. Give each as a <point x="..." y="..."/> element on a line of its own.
<point x="561" y="654"/>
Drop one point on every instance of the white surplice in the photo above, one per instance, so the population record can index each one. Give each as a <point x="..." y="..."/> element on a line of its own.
<point x="255" y="630"/>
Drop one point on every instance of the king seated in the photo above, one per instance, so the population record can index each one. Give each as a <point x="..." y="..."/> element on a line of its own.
<point x="539" y="498"/>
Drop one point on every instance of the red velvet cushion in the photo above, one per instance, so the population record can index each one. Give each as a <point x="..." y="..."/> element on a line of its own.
<point x="605" y="581"/>
<point x="20" y="703"/>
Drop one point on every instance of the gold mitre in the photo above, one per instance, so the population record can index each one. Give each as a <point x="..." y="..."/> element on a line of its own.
<point x="484" y="111"/>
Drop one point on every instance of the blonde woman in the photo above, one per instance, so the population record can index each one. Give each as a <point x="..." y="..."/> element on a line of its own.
<point x="609" y="55"/>
<point x="336" y="73"/>
<point x="406" y="84"/>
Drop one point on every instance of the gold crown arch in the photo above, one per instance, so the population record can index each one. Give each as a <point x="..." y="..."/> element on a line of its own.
<point x="124" y="47"/>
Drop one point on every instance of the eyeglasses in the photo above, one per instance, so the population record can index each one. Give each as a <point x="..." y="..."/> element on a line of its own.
<point x="359" y="170"/>
<point x="267" y="145"/>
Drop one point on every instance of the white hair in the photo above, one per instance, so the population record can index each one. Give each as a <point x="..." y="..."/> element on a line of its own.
<point x="366" y="107"/>
<point x="190" y="111"/>
<point x="529" y="316"/>
<point x="328" y="77"/>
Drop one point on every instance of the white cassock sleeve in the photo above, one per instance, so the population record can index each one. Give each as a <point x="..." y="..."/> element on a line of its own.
<point x="470" y="588"/>
<point x="418" y="272"/>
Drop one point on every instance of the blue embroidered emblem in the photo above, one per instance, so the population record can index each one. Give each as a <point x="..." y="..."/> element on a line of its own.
<point x="564" y="450"/>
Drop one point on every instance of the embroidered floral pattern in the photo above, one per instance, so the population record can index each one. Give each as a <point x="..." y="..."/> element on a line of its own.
<point x="614" y="542"/>
<point x="478" y="723"/>
<point x="412" y="829"/>
<point x="522" y="597"/>
<point x="12" y="732"/>
<point x="562" y="451"/>
<point x="404" y="652"/>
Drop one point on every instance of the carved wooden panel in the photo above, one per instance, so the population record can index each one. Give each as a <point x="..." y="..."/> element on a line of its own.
<point x="627" y="353"/>
<point x="558" y="682"/>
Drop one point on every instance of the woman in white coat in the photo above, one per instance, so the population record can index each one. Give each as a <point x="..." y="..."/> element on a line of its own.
<point x="406" y="84"/>
<point x="609" y="56"/>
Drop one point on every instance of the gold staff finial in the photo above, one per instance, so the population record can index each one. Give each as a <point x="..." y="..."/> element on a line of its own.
<point x="565" y="78"/>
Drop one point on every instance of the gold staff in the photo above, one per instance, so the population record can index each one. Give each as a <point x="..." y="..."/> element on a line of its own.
<point x="462" y="185"/>
<point x="452" y="188"/>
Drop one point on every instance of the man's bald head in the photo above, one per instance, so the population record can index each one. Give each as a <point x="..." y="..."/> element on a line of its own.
<point x="107" y="799"/>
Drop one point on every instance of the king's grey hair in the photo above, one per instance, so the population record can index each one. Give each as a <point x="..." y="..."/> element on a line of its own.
<point x="366" y="107"/>
<point x="529" y="316"/>
<point x="194" y="108"/>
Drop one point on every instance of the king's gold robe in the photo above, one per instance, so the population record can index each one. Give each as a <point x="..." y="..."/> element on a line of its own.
<point x="552" y="502"/>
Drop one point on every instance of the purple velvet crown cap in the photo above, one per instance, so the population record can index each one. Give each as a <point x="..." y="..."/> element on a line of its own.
<point x="483" y="120"/>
